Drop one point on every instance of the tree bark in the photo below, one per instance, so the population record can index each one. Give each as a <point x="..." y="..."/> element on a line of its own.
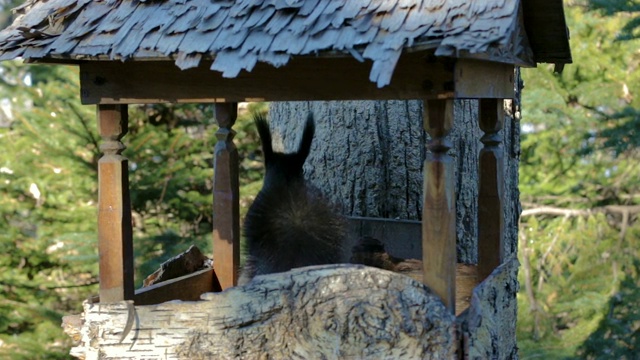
<point x="367" y="158"/>
<point x="488" y="327"/>
<point x="321" y="312"/>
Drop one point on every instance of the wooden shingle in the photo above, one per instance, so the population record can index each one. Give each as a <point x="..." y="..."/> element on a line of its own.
<point x="244" y="32"/>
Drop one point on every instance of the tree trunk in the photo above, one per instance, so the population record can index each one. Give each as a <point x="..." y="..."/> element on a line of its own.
<point x="321" y="312"/>
<point x="367" y="158"/>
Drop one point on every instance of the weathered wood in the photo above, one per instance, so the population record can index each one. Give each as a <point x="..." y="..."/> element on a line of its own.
<point x="491" y="185"/>
<point x="488" y="329"/>
<point x="439" y="212"/>
<point x="402" y="238"/>
<point x="182" y="264"/>
<point x="226" y="198"/>
<point x="466" y="282"/>
<point x="417" y="76"/>
<point x="187" y="288"/>
<point x="331" y="312"/>
<point x="115" y="243"/>
<point x="547" y="22"/>
<point x="237" y="35"/>
<point x="372" y="252"/>
<point x="370" y="163"/>
<point x="479" y="79"/>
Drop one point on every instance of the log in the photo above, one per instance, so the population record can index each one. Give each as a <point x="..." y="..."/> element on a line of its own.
<point x="489" y="325"/>
<point x="329" y="311"/>
<point x="371" y="252"/>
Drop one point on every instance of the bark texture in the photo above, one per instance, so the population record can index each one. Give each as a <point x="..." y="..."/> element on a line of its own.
<point x="488" y="329"/>
<point x="323" y="312"/>
<point x="367" y="158"/>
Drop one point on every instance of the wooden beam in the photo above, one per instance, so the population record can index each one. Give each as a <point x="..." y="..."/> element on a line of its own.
<point x="439" y="210"/>
<point x="417" y="75"/>
<point x="185" y="288"/>
<point x="115" y="244"/>
<point x="491" y="193"/>
<point x="478" y="79"/>
<point x="226" y="198"/>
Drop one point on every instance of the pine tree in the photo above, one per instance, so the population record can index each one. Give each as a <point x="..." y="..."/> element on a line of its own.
<point x="580" y="193"/>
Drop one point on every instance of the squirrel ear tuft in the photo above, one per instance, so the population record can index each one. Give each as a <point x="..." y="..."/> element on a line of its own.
<point x="265" y="135"/>
<point x="307" y="138"/>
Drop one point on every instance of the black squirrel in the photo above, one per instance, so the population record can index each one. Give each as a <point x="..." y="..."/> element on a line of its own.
<point x="289" y="224"/>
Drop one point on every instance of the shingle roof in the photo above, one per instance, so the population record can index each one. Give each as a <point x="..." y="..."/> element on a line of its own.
<point x="239" y="33"/>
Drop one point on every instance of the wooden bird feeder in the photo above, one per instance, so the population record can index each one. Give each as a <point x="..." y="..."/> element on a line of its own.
<point x="225" y="52"/>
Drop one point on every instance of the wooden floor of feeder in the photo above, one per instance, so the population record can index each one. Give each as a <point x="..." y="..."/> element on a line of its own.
<point x="190" y="287"/>
<point x="402" y="238"/>
<point x="466" y="281"/>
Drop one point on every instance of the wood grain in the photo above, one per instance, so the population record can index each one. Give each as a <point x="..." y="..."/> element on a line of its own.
<point x="417" y="75"/>
<point x="226" y="198"/>
<point x="479" y="79"/>
<point x="439" y="211"/>
<point x="115" y="243"/>
<point x="330" y="312"/>
<point x="488" y="328"/>
<point x="491" y="188"/>
<point x="186" y="288"/>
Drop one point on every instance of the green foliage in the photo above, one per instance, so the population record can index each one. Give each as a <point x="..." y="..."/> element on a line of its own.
<point x="618" y="333"/>
<point x="580" y="152"/>
<point x="171" y="177"/>
<point x="573" y="120"/>
<point x="572" y="276"/>
<point x="47" y="210"/>
<point x="48" y="196"/>
<point x="628" y="9"/>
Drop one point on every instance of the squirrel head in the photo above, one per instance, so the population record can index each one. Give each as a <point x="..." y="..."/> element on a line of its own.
<point x="284" y="169"/>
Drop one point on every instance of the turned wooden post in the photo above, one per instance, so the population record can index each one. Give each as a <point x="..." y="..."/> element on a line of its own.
<point x="115" y="244"/>
<point x="226" y="198"/>
<point x="439" y="210"/>
<point x="490" y="197"/>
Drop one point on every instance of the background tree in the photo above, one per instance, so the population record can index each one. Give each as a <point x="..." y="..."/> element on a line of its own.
<point x="627" y="9"/>
<point x="580" y="190"/>
<point x="47" y="260"/>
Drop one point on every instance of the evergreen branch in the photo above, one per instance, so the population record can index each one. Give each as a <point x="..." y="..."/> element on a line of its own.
<point x="90" y="135"/>
<point x="568" y="212"/>
<point x="555" y="211"/>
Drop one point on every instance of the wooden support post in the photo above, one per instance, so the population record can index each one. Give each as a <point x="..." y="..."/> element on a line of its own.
<point x="490" y="198"/>
<point x="226" y="198"/>
<point x="114" y="208"/>
<point x="439" y="210"/>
